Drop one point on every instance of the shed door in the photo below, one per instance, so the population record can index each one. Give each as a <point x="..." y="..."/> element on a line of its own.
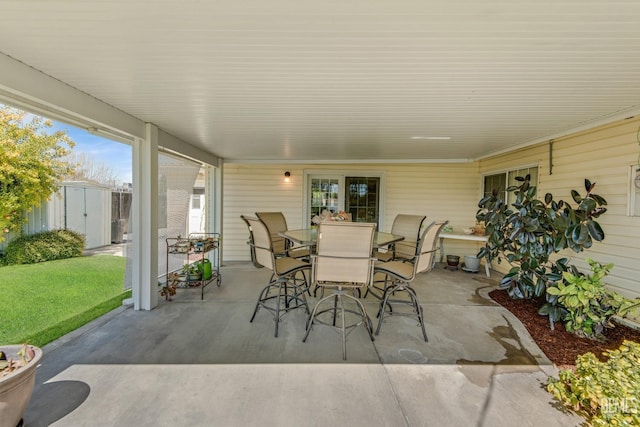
<point x="85" y="211"/>
<point x="75" y="210"/>
<point x="94" y="214"/>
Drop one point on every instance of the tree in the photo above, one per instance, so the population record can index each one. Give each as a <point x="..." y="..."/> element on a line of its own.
<point x="32" y="163"/>
<point x="85" y="168"/>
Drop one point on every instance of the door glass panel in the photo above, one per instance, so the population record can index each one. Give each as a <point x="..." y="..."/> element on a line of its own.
<point x="324" y="195"/>
<point x="362" y="197"/>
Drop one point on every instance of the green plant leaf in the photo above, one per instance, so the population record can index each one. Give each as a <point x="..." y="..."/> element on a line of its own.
<point x="554" y="277"/>
<point x="576" y="196"/>
<point x="545" y="309"/>
<point x="559" y="243"/>
<point x="540" y="288"/>
<point x="548" y="198"/>
<point x="588" y="205"/>
<point x="505" y="282"/>
<point x="597" y="212"/>
<point x="580" y="234"/>
<point x="595" y="230"/>
<point x="587" y="185"/>
<point x="484" y="201"/>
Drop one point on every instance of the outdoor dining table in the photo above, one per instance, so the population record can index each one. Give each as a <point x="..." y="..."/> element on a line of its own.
<point x="309" y="237"/>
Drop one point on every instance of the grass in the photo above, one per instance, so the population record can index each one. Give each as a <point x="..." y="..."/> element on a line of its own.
<point x="42" y="302"/>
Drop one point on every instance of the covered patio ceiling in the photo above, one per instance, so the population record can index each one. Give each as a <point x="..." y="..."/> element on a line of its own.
<point x="343" y="81"/>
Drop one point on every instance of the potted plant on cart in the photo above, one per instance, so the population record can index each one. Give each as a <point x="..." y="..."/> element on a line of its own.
<point x="17" y="377"/>
<point x="191" y="272"/>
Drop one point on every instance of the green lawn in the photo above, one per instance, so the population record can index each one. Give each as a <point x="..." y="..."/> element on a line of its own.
<point x="42" y="302"/>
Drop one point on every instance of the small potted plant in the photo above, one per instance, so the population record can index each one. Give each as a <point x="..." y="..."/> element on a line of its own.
<point x="191" y="272"/>
<point x="17" y="377"/>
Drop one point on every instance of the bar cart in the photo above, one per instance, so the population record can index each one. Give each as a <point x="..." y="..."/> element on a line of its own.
<point x="202" y="266"/>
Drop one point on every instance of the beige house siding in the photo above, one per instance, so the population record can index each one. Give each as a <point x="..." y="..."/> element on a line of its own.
<point x="440" y="191"/>
<point x="603" y="155"/>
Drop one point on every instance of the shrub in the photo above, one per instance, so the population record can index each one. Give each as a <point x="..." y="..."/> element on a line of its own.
<point x="607" y="393"/>
<point x="45" y="246"/>
<point x="588" y="305"/>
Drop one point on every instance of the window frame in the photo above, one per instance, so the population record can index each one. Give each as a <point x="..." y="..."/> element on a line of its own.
<point x="507" y="175"/>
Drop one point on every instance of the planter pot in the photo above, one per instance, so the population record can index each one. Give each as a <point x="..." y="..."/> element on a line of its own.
<point x="453" y="260"/>
<point x="16" y="388"/>
<point x="471" y="263"/>
<point x="195" y="276"/>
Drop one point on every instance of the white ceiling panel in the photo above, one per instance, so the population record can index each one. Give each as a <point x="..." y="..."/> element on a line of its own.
<point x="292" y="80"/>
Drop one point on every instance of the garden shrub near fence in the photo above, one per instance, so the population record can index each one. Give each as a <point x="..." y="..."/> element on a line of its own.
<point x="45" y="246"/>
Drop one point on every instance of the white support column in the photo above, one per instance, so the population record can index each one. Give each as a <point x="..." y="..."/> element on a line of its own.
<point x="145" y="221"/>
<point x="213" y="197"/>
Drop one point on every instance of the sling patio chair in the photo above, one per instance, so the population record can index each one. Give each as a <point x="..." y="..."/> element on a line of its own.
<point x="401" y="273"/>
<point x="342" y="263"/>
<point x="277" y="223"/>
<point x="285" y="291"/>
<point x="408" y="226"/>
<point x="252" y="250"/>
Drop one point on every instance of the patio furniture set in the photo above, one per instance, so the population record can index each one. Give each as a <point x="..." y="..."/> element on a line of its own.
<point x="347" y="261"/>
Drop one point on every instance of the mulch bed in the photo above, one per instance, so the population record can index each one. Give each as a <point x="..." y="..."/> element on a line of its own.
<point x="560" y="346"/>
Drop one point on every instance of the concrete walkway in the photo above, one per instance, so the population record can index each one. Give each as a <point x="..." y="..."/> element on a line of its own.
<point x="201" y="363"/>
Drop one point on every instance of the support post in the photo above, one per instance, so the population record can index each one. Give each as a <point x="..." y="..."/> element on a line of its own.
<point x="145" y="221"/>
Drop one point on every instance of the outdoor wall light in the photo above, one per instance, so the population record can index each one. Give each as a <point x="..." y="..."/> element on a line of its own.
<point x="287" y="175"/>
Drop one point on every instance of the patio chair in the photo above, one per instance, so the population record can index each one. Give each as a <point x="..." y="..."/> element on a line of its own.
<point x="276" y="223"/>
<point x="408" y="226"/>
<point x="401" y="273"/>
<point x="285" y="292"/>
<point x="342" y="263"/>
<point x="252" y="249"/>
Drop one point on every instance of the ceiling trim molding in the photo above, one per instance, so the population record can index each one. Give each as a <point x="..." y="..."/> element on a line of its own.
<point x="347" y="162"/>
<point x="592" y="124"/>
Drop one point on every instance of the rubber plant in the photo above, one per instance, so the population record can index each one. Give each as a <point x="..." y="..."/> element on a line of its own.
<point x="527" y="232"/>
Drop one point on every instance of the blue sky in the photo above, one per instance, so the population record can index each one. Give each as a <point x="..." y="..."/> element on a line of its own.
<point x="115" y="155"/>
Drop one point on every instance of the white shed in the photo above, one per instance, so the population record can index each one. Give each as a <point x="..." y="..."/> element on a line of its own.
<point x="85" y="208"/>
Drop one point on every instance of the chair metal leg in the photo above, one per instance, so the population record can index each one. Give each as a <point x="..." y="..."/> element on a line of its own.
<point x="413" y="302"/>
<point x="313" y="314"/>
<point x="277" y="316"/>
<point x="338" y="305"/>
<point x="344" y="328"/>
<point x="261" y="298"/>
<point x="365" y="319"/>
<point x="383" y="303"/>
<point x="287" y="295"/>
<point x="419" y="312"/>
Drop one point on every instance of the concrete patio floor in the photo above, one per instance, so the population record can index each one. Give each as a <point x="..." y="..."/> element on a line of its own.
<point x="201" y="363"/>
